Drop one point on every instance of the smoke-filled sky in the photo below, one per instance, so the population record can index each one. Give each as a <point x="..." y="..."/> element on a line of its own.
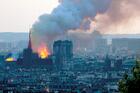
<point x="119" y="16"/>
<point x="122" y="17"/>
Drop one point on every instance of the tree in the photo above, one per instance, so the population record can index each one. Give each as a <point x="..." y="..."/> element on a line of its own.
<point x="131" y="84"/>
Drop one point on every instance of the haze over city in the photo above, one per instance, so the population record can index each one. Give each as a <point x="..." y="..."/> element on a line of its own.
<point x="121" y="16"/>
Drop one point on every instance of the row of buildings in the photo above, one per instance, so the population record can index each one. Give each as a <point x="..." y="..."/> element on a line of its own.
<point x="64" y="72"/>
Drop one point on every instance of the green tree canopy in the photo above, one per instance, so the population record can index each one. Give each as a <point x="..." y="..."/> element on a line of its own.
<point x="131" y="84"/>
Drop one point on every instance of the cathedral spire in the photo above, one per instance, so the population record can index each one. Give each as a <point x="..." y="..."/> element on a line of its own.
<point x="30" y="43"/>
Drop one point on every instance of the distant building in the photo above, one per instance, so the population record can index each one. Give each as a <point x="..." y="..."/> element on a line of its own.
<point x="130" y="43"/>
<point x="99" y="43"/>
<point x="107" y="63"/>
<point x="1" y="58"/>
<point x="62" y="50"/>
<point x="5" y="46"/>
<point x="118" y="63"/>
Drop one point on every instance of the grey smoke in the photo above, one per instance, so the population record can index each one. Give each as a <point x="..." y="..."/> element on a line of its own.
<point x="69" y="15"/>
<point x="118" y="14"/>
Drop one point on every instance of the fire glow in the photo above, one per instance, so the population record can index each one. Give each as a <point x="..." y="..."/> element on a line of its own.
<point x="43" y="51"/>
<point x="10" y="59"/>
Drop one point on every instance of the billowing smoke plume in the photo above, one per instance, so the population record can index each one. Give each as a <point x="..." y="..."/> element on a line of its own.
<point x="70" y="15"/>
<point x="122" y="17"/>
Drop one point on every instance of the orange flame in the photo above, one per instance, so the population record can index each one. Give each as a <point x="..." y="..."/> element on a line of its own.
<point x="43" y="51"/>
